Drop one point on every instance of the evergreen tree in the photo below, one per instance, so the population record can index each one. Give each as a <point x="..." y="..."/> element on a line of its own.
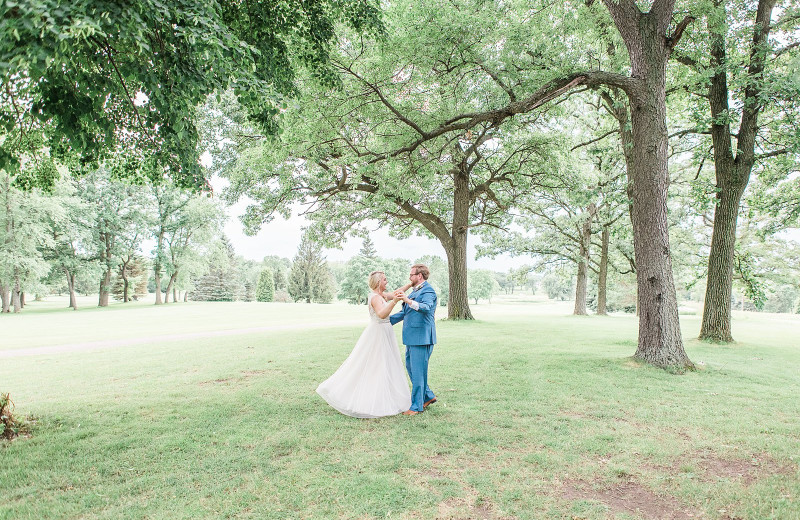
<point x="279" y="277"/>
<point x="265" y="291"/>
<point x="221" y="283"/>
<point x="131" y="280"/>
<point x="279" y="267"/>
<point x="249" y="291"/>
<point x="368" y="249"/>
<point x="310" y="279"/>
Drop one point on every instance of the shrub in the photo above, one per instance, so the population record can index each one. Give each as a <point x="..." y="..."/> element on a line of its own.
<point x="10" y="426"/>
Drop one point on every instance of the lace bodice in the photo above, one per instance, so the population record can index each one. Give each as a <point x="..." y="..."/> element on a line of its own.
<point x="372" y="314"/>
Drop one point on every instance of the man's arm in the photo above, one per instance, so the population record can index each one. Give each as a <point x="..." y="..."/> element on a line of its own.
<point x="425" y="302"/>
<point x="396" y="318"/>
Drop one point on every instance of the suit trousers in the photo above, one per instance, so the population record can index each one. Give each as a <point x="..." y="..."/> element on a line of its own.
<point x="417" y="358"/>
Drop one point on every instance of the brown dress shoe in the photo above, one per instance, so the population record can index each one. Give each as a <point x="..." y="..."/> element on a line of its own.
<point x="429" y="402"/>
<point x="411" y="412"/>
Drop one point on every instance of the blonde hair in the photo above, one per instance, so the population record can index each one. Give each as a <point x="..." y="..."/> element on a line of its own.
<point x="374" y="279"/>
<point x="421" y="269"/>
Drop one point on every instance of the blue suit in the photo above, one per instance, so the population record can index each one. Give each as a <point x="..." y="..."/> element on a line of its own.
<point x="419" y="336"/>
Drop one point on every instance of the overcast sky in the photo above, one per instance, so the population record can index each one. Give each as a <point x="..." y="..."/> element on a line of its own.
<point x="282" y="237"/>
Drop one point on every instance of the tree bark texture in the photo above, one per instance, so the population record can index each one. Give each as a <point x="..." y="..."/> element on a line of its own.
<point x="732" y="170"/>
<point x="583" y="262"/>
<point x="73" y="299"/>
<point x="453" y="240"/>
<point x="602" y="277"/>
<point x="157" y="265"/>
<point x="580" y="290"/>
<point x="5" y="290"/>
<point x="157" y="280"/>
<point x="124" y="287"/>
<point x="15" y="299"/>
<point x="105" y="288"/>
<point x="5" y="297"/>
<point x="170" y="286"/>
<point x="456" y="250"/>
<point x="107" y="257"/>
<point x="660" y="341"/>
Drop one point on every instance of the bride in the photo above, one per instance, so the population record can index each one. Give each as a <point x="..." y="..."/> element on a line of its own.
<point x="372" y="381"/>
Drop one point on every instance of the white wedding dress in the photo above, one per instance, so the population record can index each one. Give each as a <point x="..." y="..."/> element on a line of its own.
<point x="372" y="380"/>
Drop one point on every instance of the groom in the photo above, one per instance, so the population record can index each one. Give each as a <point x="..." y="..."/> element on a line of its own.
<point x="419" y="335"/>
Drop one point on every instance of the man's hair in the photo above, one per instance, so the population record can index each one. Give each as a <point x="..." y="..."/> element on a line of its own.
<point x="421" y="269"/>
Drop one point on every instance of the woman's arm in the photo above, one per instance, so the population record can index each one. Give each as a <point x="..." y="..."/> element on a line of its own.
<point x="383" y="309"/>
<point x="390" y="295"/>
<point x="405" y="287"/>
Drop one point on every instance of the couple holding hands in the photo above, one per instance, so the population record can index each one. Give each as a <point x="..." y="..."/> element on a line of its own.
<point x="371" y="382"/>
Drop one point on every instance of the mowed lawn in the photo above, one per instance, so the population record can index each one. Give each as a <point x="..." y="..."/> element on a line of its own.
<point x="208" y="411"/>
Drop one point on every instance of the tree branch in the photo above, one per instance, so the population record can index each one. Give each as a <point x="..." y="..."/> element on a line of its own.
<point x="547" y="93"/>
<point x="673" y="40"/>
<point x="385" y="101"/>
<point x="496" y="78"/>
<point x="783" y="50"/>
<point x="16" y="109"/>
<point x="587" y="143"/>
<point x="774" y="153"/>
<point x="107" y="48"/>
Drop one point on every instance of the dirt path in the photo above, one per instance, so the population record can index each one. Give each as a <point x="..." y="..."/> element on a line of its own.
<point x="127" y="342"/>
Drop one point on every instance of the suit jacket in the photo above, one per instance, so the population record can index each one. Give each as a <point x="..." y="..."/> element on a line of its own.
<point x="418" y="326"/>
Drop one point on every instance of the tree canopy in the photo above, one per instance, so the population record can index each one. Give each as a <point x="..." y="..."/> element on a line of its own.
<point x="95" y="79"/>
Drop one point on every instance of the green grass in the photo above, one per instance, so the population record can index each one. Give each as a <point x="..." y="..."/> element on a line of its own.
<point x="533" y="403"/>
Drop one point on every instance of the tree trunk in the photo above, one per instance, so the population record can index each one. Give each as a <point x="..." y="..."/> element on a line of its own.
<point x="123" y="273"/>
<point x="732" y="173"/>
<point x="22" y="299"/>
<point x="124" y="287"/>
<point x="73" y="299"/>
<point x="157" y="265"/>
<point x="105" y="288"/>
<point x="660" y="341"/>
<point x="185" y="296"/>
<point x="107" y="259"/>
<point x="602" y="276"/>
<point x="5" y="297"/>
<point x="171" y="285"/>
<point x="458" y="300"/>
<point x="717" y="307"/>
<point x="456" y="249"/>
<point x="157" y="279"/>
<point x="582" y="281"/>
<point x="169" y="288"/>
<point x="15" y="300"/>
<point x="580" y="290"/>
